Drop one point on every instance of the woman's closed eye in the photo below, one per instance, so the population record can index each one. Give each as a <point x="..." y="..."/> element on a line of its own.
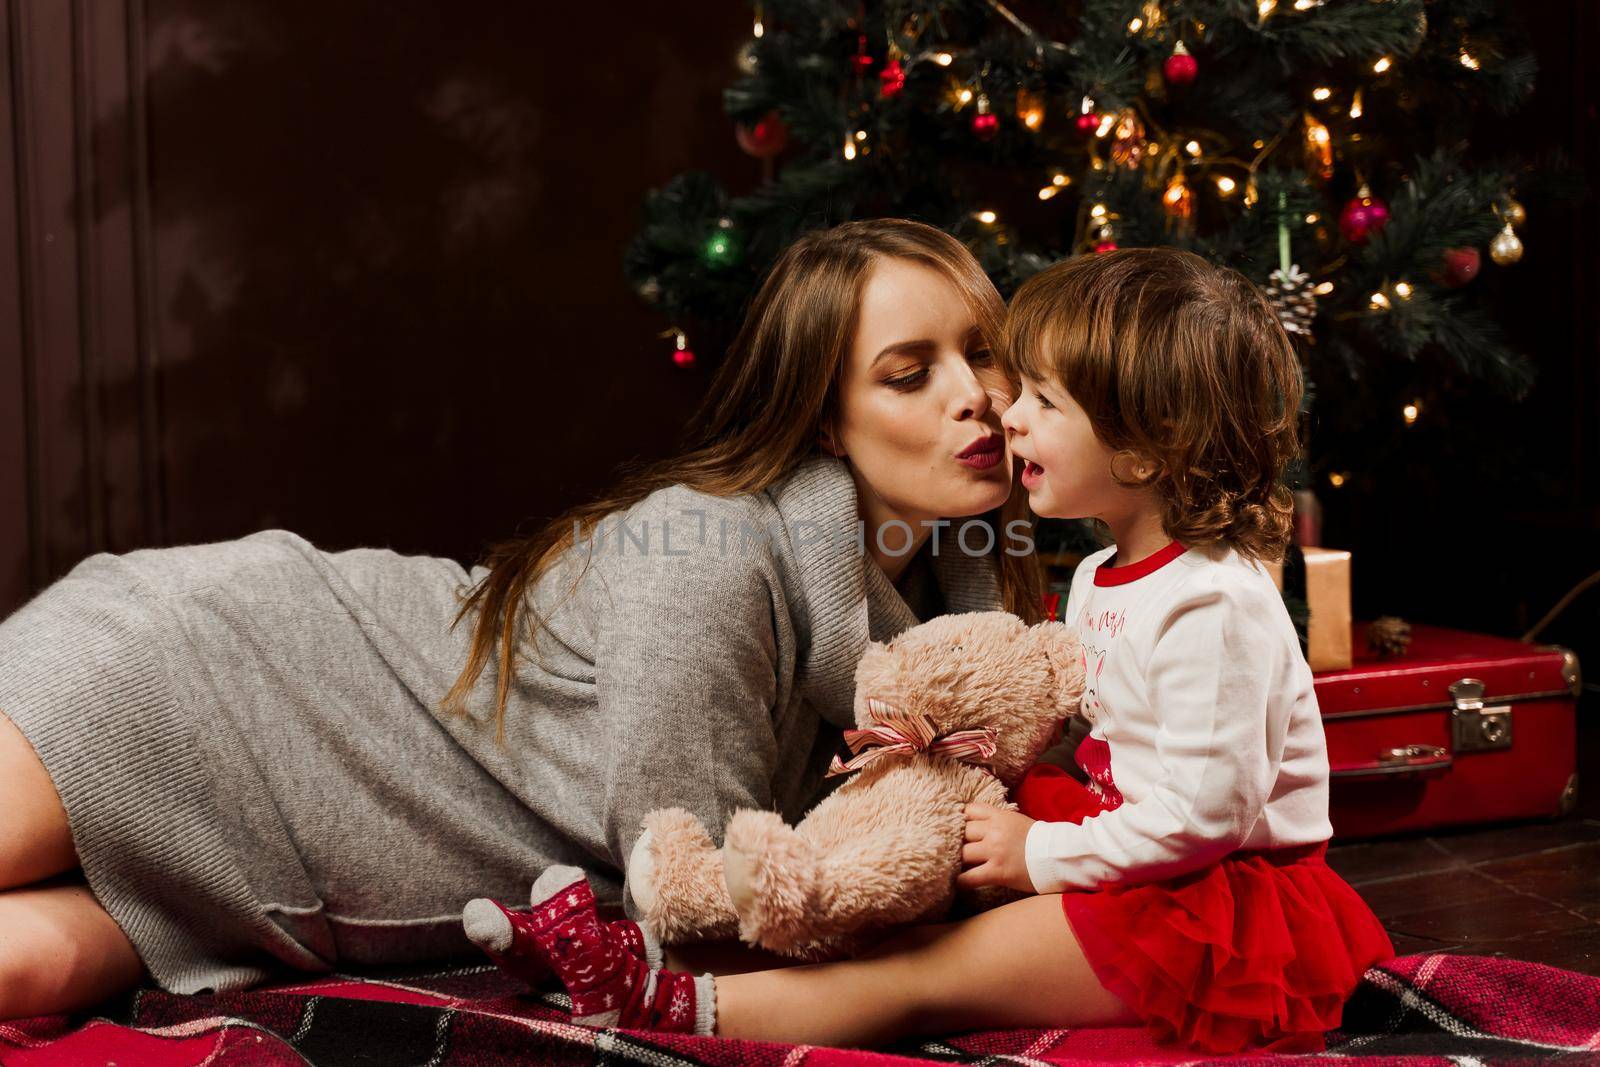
<point x="1044" y="403"/>
<point x="909" y="381"/>
<point x="982" y="357"/>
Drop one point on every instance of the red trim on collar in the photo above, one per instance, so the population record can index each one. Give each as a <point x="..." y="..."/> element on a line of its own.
<point x="1104" y="575"/>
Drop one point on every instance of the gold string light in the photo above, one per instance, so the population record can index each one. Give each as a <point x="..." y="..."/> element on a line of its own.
<point x="1179" y="199"/>
<point x="1030" y="108"/>
<point x="1319" y="146"/>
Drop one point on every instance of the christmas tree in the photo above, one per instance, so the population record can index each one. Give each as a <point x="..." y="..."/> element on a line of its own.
<point x="1316" y="145"/>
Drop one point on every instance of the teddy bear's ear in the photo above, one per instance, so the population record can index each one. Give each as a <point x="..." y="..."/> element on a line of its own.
<point x="1058" y="644"/>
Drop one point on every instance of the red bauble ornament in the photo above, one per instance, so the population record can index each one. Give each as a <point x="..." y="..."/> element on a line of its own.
<point x="1106" y="246"/>
<point x="1180" y="68"/>
<point x="1088" y="122"/>
<point x="766" y="138"/>
<point x="1460" y="266"/>
<point x="1363" y="217"/>
<point x="985" y="125"/>
<point x="891" y="79"/>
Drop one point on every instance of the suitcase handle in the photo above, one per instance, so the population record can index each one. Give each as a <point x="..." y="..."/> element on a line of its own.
<point x="1418" y="760"/>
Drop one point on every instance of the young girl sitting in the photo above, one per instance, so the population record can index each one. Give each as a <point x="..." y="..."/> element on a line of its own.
<point x="1185" y="886"/>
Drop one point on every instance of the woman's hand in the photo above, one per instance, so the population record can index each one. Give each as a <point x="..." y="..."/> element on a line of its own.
<point x="995" y="849"/>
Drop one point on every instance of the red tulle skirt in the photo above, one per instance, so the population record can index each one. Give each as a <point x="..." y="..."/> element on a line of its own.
<point x="1258" y="951"/>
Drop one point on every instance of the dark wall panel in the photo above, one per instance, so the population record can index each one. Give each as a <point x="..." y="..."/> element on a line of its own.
<point x="16" y="557"/>
<point x="351" y="269"/>
<point x="78" y="438"/>
<point x="389" y="299"/>
<point x="45" y="145"/>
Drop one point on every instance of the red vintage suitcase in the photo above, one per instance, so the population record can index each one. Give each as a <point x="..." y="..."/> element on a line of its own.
<point x="1462" y="728"/>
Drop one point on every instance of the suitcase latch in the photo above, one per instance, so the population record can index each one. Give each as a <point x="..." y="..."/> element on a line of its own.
<point x="1474" y="727"/>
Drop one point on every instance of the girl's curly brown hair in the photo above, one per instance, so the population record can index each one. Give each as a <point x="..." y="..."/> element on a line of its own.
<point x="1179" y="363"/>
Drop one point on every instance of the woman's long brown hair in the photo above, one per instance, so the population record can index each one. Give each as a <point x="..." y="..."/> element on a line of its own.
<point x="767" y="402"/>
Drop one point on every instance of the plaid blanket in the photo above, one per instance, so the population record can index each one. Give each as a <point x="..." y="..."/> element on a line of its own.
<point x="1427" y="1008"/>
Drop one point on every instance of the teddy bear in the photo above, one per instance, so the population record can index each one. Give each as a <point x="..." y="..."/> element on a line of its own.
<point x="950" y="711"/>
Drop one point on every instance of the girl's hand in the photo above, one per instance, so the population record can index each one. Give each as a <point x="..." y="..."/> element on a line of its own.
<point x="995" y="849"/>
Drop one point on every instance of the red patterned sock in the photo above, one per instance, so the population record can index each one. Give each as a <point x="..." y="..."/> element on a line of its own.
<point x="635" y="940"/>
<point x="609" y="985"/>
<point x="672" y="1001"/>
<point x="592" y="962"/>
<point x="506" y="937"/>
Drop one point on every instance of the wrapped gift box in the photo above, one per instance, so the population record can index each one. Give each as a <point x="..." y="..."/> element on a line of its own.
<point x="1328" y="646"/>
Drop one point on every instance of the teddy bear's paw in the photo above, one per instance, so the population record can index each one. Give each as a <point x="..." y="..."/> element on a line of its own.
<point x="675" y="876"/>
<point x="771" y="873"/>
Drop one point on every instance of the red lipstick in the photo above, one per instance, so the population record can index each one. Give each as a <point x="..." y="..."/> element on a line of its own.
<point x="983" y="453"/>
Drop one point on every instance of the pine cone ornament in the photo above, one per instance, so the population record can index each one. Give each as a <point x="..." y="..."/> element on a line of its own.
<point x="1292" y="297"/>
<point x="1389" y="636"/>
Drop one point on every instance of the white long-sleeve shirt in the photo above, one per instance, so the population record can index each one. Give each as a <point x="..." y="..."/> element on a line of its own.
<point x="1197" y="684"/>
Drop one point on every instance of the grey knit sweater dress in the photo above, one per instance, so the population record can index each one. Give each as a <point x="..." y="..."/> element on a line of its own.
<point x="247" y="737"/>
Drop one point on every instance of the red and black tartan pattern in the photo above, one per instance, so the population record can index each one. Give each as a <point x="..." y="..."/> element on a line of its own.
<point x="1414" y="1009"/>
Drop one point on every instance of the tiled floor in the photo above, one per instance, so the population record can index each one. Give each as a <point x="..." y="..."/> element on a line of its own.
<point x="1530" y="891"/>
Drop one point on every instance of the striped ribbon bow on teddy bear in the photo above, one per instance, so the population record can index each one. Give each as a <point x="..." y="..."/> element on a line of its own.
<point x="899" y="734"/>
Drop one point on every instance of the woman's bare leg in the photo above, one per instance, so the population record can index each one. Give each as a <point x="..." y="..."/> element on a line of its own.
<point x="1016" y="966"/>
<point x="60" y="951"/>
<point x="35" y="842"/>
